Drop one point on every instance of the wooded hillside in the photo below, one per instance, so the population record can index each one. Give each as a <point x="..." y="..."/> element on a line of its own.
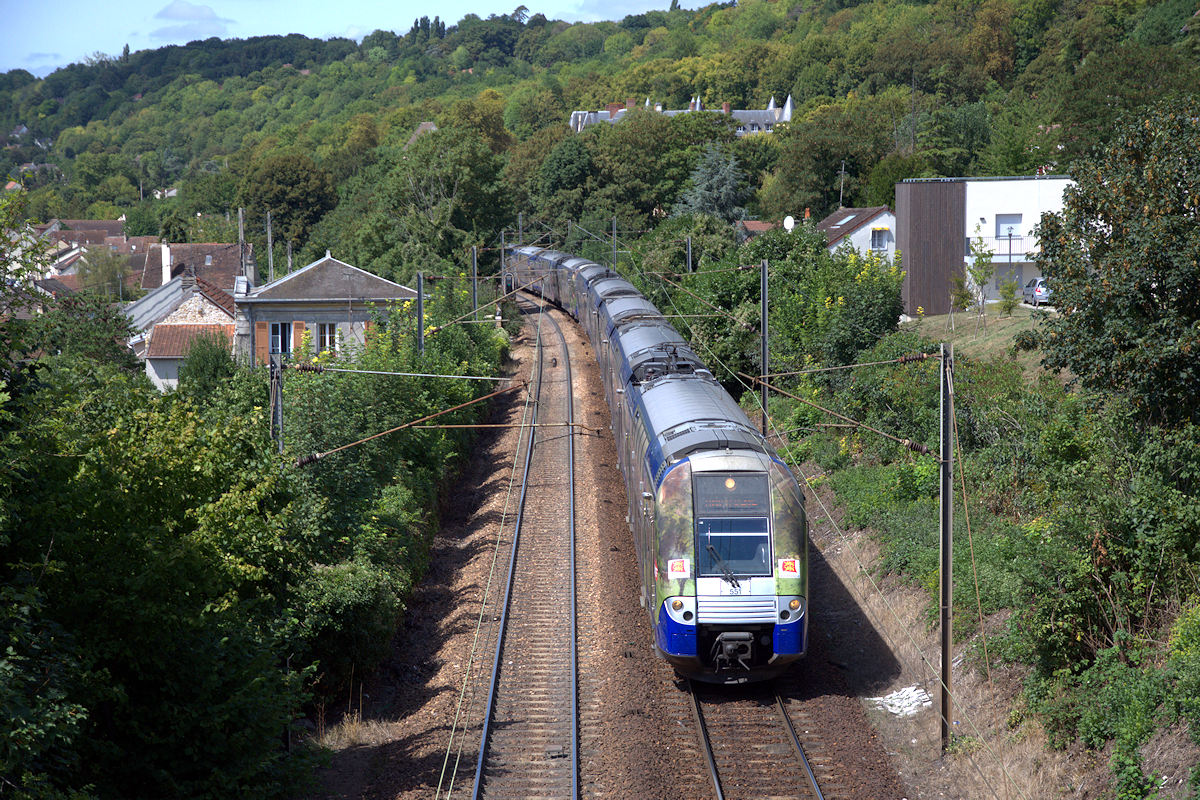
<point x="883" y="91"/>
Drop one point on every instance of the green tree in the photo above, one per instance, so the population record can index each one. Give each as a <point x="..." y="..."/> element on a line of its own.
<point x="1111" y="84"/>
<point x="208" y="365"/>
<point x="1123" y="260"/>
<point x="105" y="271"/>
<point x="562" y="179"/>
<point x="716" y="187"/>
<point x="86" y="325"/>
<point x="293" y="188"/>
<point x="142" y="220"/>
<point x="980" y="270"/>
<point x="23" y="256"/>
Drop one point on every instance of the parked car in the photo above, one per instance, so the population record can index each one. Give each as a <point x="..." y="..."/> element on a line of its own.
<point x="1036" y="292"/>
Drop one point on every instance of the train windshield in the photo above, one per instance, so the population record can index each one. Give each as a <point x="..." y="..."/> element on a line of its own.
<point x="731" y="519"/>
<point x="740" y="544"/>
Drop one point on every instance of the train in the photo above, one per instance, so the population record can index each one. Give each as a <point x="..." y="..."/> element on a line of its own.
<point x="718" y="520"/>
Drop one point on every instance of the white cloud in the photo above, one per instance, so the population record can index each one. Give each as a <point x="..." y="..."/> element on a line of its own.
<point x="188" y="12"/>
<point x="195" y="22"/>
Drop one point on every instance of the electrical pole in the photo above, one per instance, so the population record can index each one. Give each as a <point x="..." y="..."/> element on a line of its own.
<point x="614" y="244"/>
<point x="521" y="227"/>
<point x="275" y="369"/>
<point x="689" y="255"/>
<point x="270" y="250"/>
<point x="241" y="242"/>
<point x="474" y="282"/>
<point x="420" y="314"/>
<point x="946" y="519"/>
<point x="762" y="284"/>
<point x="842" y="184"/>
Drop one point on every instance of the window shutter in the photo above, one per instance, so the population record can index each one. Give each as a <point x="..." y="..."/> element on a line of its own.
<point x="297" y="336"/>
<point x="262" y="342"/>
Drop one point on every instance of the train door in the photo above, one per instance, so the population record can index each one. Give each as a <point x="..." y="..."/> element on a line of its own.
<point x="649" y="541"/>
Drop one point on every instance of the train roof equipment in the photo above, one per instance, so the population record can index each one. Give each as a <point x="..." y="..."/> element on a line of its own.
<point x="653" y="348"/>
<point x="688" y="413"/>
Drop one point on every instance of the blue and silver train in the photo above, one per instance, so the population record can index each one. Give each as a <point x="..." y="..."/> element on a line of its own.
<point x="717" y="518"/>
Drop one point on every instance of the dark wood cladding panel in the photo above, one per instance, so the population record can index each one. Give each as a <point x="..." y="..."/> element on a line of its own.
<point x="930" y="235"/>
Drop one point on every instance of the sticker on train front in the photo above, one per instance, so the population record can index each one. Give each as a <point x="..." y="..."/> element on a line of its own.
<point x="679" y="568"/>
<point x="789" y="566"/>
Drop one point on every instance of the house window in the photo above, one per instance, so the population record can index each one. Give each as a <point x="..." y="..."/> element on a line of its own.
<point x="1009" y="225"/>
<point x="281" y="338"/>
<point x="879" y="239"/>
<point x="327" y="336"/>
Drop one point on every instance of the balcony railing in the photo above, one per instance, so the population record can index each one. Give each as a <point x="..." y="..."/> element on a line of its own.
<point x="1004" y="248"/>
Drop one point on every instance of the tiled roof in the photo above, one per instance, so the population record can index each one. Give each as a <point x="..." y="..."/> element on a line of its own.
<point x="216" y="262"/>
<point x="216" y="294"/>
<point x="85" y="236"/>
<point x="845" y="221"/>
<point x="174" y="341"/>
<point x="112" y="227"/>
<point x="330" y="279"/>
<point x="758" y="226"/>
<point x="54" y="287"/>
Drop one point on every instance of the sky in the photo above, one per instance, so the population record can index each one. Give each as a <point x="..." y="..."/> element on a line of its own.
<point x="41" y="38"/>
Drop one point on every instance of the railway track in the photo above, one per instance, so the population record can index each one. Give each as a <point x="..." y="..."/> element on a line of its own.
<point x="529" y="741"/>
<point x="750" y="744"/>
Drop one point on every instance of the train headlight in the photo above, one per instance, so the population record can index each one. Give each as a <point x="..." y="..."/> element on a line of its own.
<point x="676" y="604"/>
<point x="730" y="484"/>
<point x="794" y="605"/>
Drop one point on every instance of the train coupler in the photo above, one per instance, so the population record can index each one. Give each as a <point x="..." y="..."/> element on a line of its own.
<point x="733" y="648"/>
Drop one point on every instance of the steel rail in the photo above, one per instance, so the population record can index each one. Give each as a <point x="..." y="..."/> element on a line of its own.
<point x="705" y="741"/>
<point x="571" y="509"/>
<point x="491" y="701"/>
<point x="476" y="792"/>
<point x="791" y="731"/>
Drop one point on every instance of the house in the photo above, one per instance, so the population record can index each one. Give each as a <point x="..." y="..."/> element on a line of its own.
<point x="329" y="300"/>
<point x="867" y="230"/>
<point x="747" y="229"/>
<point x="170" y="345"/>
<point x="746" y="121"/>
<point x="219" y="263"/>
<point x="169" y="319"/>
<point x="938" y="219"/>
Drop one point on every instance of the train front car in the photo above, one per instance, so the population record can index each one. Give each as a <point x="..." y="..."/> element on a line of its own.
<point x="727" y="564"/>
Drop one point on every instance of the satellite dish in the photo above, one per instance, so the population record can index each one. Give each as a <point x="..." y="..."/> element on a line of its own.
<point x="789" y="222"/>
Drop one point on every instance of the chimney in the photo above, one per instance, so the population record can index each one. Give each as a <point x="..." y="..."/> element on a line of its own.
<point x="725" y="109"/>
<point x="692" y="105"/>
<point x="612" y="109"/>
<point x="166" y="263"/>
<point x="629" y="101"/>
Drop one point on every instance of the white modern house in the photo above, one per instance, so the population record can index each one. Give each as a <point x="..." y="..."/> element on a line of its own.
<point x="867" y="230"/>
<point x="938" y="219"/>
